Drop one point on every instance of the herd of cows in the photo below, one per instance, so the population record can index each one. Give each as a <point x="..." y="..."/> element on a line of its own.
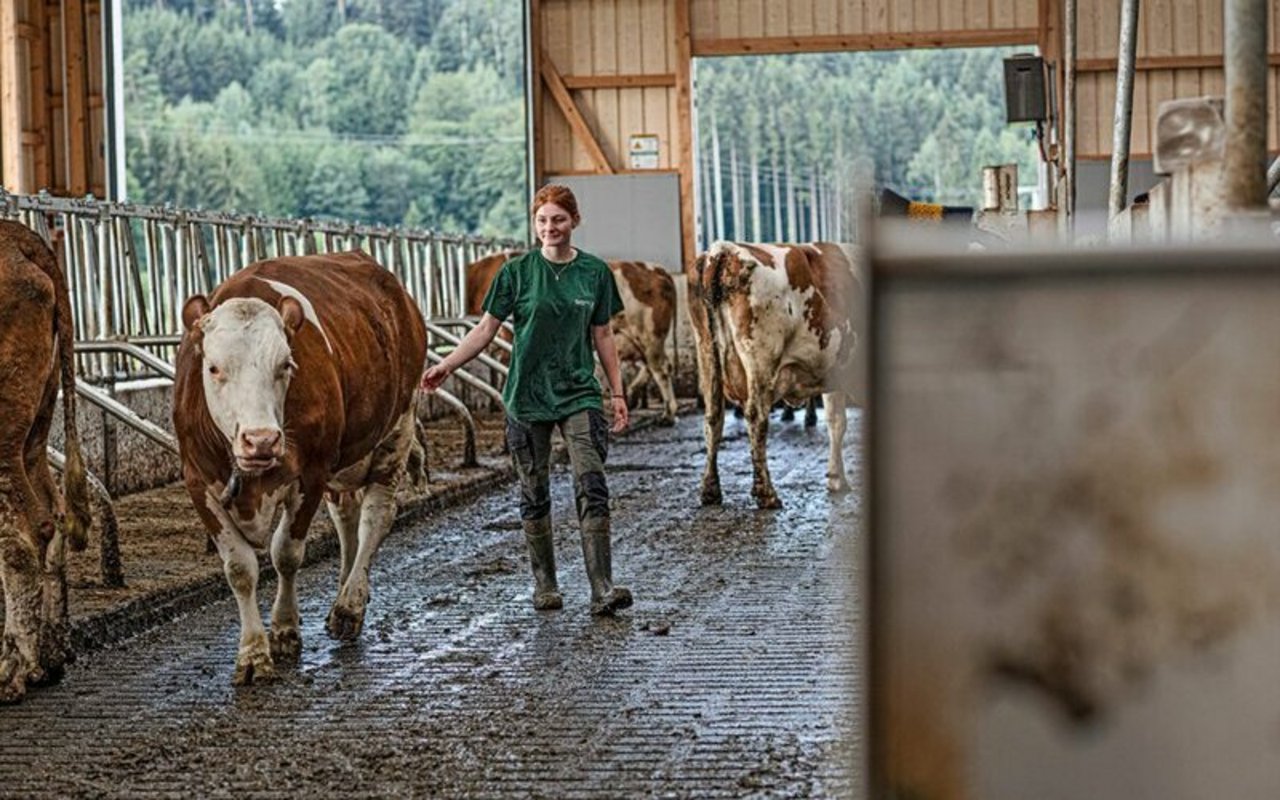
<point x="296" y="382"/>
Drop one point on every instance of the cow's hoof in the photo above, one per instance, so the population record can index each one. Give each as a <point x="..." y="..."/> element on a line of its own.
<point x="55" y="655"/>
<point x="12" y="691"/>
<point x="251" y="668"/>
<point x="767" y="500"/>
<point x="286" y="644"/>
<point x="14" y="673"/>
<point x="666" y="421"/>
<point x="344" y="624"/>
<point x="711" y="496"/>
<point x="837" y="485"/>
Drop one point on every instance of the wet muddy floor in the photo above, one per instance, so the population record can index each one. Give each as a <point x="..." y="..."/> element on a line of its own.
<point x="734" y="675"/>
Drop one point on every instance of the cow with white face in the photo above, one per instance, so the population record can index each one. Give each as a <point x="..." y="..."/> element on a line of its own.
<point x="776" y="322"/>
<point x="295" y="382"/>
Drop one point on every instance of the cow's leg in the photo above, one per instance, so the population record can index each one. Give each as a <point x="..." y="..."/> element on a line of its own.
<point x="833" y="404"/>
<point x="661" y="372"/>
<point x="712" y="391"/>
<point x="240" y="564"/>
<point x="287" y="551"/>
<point x="377" y="512"/>
<point x="55" y="638"/>
<point x="637" y="397"/>
<point x="344" y="511"/>
<point x="811" y="412"/>
<point x="19" y="569"/>
<point x="757" y="413"/>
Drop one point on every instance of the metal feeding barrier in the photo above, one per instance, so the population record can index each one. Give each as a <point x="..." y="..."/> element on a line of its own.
<point x="130" y="267"/>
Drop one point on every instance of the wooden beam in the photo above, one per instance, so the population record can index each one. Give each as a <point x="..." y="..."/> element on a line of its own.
<point x="774" y="45"/>
<point x="566" y="173"/>
<point x="41" y="120"/>
<point x="1163" y="62"/>
<point x="575" y="82"/>
<point x="534" y="45"/>
<point x="11" y="176"/>
<point x="76" y="91"/>
<point x="581" y="130"/>
<point x="683" y="36"/>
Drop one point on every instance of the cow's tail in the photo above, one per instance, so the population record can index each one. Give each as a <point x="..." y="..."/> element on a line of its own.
<point x="75" y="486"/>
<point x="713" y="267"/>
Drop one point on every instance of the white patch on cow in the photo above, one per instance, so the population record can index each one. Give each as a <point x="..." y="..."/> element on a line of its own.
<point x="255" y="531"/>
<point x="246" y="368"/>
<point x="776" y="252"/>
<point x="308" y="310"/>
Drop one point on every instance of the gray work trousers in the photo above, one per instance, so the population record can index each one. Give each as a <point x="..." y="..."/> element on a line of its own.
<point x="586" y="433"/>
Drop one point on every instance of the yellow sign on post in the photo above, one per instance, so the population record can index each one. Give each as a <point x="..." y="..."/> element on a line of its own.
<point x="643" y="151"/>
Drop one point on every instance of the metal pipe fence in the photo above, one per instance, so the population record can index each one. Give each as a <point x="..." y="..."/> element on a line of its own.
<point x="131" y="267"/>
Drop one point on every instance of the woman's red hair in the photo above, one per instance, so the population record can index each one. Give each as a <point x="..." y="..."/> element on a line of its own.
<point x="558" y="194"/>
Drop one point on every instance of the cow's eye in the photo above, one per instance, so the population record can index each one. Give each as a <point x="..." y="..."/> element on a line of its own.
<point x="287" y="369"/>
<point x="214" y="371"/>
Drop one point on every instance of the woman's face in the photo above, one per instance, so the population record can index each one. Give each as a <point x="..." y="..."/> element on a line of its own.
<point x="553" y="224"/>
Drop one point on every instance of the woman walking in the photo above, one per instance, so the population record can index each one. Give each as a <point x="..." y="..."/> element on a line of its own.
<point x="560" y="300"/>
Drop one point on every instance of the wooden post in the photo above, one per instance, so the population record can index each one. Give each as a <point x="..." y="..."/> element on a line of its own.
<point x="75" y="97"/>
<point x="10" y="101"/>
<point x="533" y="78"/>
<point x="684" y="119"/>
<point x="41" y="80"/>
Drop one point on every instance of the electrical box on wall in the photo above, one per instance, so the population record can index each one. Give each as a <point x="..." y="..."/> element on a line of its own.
<point x="1024" y="89"/>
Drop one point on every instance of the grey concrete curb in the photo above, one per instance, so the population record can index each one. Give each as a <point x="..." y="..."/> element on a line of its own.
<point x="102" y="630"/>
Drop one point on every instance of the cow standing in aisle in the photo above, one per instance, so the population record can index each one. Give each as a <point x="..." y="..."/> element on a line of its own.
<point x="295" y="382"/>
<point x="641" y="331"/>
<point x="776" y="322"/>
<point x="36" y="351"/>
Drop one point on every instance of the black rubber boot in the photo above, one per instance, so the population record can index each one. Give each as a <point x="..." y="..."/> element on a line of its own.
<point x="605" y="597"/>
<point x="542" y="554"/>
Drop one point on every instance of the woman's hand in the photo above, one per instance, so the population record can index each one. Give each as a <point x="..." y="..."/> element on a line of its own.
<point x="432" y="378"/>
<point x="620" y="418"/>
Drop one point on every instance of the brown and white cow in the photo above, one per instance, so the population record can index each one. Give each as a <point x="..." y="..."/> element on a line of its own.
<point x="295" y="382"/>
<point x="641" y="331"/>
<point x="36" y="341"/>
<point x="775" y="322"/>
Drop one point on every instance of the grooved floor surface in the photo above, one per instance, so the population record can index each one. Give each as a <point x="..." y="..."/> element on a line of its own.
<point x="736" y="674"/>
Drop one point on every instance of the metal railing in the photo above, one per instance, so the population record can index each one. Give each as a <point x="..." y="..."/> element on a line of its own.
<point x="131" y="267"/>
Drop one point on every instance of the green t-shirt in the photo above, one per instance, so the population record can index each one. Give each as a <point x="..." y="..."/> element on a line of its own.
<point x="552" y="308"/>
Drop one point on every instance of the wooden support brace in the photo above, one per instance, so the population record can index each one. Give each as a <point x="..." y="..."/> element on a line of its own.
<point x="564" y="100"/>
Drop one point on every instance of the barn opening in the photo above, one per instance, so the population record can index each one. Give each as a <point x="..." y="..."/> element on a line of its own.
<point x="780" y="137"/>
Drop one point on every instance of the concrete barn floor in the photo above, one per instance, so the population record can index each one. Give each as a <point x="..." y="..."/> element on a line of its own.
<point x="736" y="674"/>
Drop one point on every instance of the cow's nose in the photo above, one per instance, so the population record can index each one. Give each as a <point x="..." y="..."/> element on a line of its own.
<point x="260" y="442"/>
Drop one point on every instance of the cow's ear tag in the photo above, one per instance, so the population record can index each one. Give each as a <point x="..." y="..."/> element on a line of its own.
<point x="196" y="307"/>
<point x="292" y="314"/>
